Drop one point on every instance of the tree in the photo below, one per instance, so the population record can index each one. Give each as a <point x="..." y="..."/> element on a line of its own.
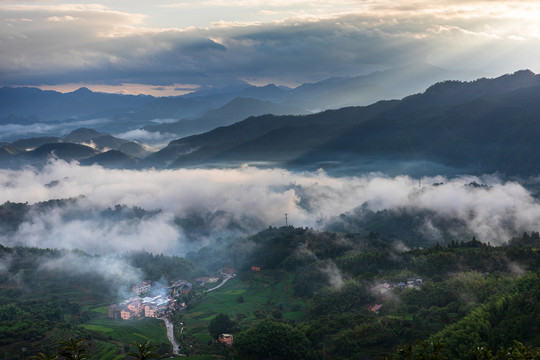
<point x="43" y="356"/>
<point x="517" y="352"/>
<point x="221" y="324"/>
<point x="272" y="340"/>
<point x="144" y="351"/>
<point x="73" y="349"/>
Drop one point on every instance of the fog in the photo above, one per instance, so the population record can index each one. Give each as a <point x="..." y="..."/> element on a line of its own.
<point x="237" y="202"/>
<point x="156" y="139"/>
<point x="12" y="132"/>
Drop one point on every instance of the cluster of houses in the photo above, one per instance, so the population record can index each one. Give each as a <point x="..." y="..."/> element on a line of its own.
<point x="180" y="287"/>
<point x="412" y="283"/>
<point x="158" y="302"/>
<point x="382" y="289"/>
<point x="137" y="307"/>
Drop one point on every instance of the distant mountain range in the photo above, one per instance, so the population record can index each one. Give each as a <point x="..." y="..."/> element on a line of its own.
<point x="33" y="112"/>
<point x="234" y="111"/>
<point x="481" y="126"/>
<point x="87" y="146"/>
<point x="488" y="125"/>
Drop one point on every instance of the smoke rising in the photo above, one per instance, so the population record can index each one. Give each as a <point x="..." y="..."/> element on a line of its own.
<point x="246" y="199"/>
<point x="335" y="278"/>
<point x="117" y="272"/>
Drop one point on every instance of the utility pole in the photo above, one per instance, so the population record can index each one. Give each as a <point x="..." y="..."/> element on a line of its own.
<point x="286" y="221"/>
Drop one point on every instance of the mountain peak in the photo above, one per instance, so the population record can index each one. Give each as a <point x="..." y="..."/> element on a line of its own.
<point x="82" y="90"/>
<point x="82" y="134"/>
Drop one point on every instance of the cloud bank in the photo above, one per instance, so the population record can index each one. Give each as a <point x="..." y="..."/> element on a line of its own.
<point x="175" y="201"/>
<point x="217" y="43"/>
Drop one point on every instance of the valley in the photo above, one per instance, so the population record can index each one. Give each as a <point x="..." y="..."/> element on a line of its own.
<point x="401" y="229"/>
<point x="340" y="297"/>
<point x="270" y="180"/>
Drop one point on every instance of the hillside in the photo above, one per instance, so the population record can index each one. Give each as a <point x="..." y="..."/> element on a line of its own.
<point x="55" y="106"/>
<point x="487" y="125"/>
<point x="31" y="112"/>
<point x="236" y="110"/>
<point x="85" y="145"/>
<point x="318" y="294"/>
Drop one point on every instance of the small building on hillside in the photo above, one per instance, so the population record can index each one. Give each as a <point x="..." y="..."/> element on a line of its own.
<point x="125" y="314"/>
<point x="176" y="286"/>
<point x="136" y="308"/>
<point x="186" y="288"/>
<point x="226" y="339"/>
<point x="255" y="268"/>
<point x="142" y="288"/>
<point x="375" y="308"/>
<point x="414" y="283"/>
<point x="149" y="311"/>
<point x="114" y="311"/>
<point x="381" y="288"/>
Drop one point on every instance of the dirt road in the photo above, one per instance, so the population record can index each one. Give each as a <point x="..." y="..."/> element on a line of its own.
<point x="226" y="278"/>
<point x="170" y="335"/>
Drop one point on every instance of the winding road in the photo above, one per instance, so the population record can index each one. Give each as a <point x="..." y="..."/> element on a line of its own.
<point x="170" y="335"/>
<point x="170" y="327"/>
<point x="226" y="277"/>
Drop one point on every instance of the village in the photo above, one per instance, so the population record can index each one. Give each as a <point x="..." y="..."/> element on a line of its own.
<point x="150" y="299"/>
<point x="155" y="300"/>
<point x="385" y="287"/>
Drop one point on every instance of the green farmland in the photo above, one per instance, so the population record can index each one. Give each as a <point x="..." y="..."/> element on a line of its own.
<point x="246" y="298"/>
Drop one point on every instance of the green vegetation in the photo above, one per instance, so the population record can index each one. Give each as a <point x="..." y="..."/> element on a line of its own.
<point x="327" y="280"/>
<point x="221" y="324"/>
<point x="41" y="305"/>
<point x="270" y="339"/>
<point x="314" y="297"/>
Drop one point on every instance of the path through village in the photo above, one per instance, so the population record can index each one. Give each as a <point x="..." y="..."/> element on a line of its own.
<point x="170" y="326"/>
<point x="170" y="335"/>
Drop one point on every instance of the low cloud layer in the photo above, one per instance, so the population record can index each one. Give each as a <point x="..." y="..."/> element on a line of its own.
<point x="10" y="132"/>
<point x="248" y="196"/>
<point x="156" y="139"/>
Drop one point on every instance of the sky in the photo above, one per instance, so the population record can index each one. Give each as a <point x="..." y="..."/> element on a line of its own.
<point x="164" y="47"/>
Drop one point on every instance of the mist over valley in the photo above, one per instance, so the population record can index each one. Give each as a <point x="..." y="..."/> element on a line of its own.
<point x="269" y="180"/>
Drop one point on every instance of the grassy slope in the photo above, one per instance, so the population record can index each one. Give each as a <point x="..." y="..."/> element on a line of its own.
<point x="262" y="293"/>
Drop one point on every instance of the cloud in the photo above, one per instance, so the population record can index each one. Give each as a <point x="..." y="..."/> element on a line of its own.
<point x="16" y="131"/>
<point x="81" y="226"/>
<point x="303" y="41"/>
<point x="241" y="201"/>
<point x="126" y="88"/>
<point x="153" y="138"/>
<point x="11" y="130"/>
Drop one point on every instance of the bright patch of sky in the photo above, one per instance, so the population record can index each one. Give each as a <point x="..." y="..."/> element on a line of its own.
<point x="148" y="46"/>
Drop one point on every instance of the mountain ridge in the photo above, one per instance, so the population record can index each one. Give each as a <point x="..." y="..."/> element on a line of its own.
<point x="457" y="124"/>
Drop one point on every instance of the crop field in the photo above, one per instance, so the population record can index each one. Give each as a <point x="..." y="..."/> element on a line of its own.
<point x="128" y="331"/>
<point x="245" y="298"/>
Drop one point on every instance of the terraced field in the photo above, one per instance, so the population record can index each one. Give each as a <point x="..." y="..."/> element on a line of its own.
<point x="248" y="296"/>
